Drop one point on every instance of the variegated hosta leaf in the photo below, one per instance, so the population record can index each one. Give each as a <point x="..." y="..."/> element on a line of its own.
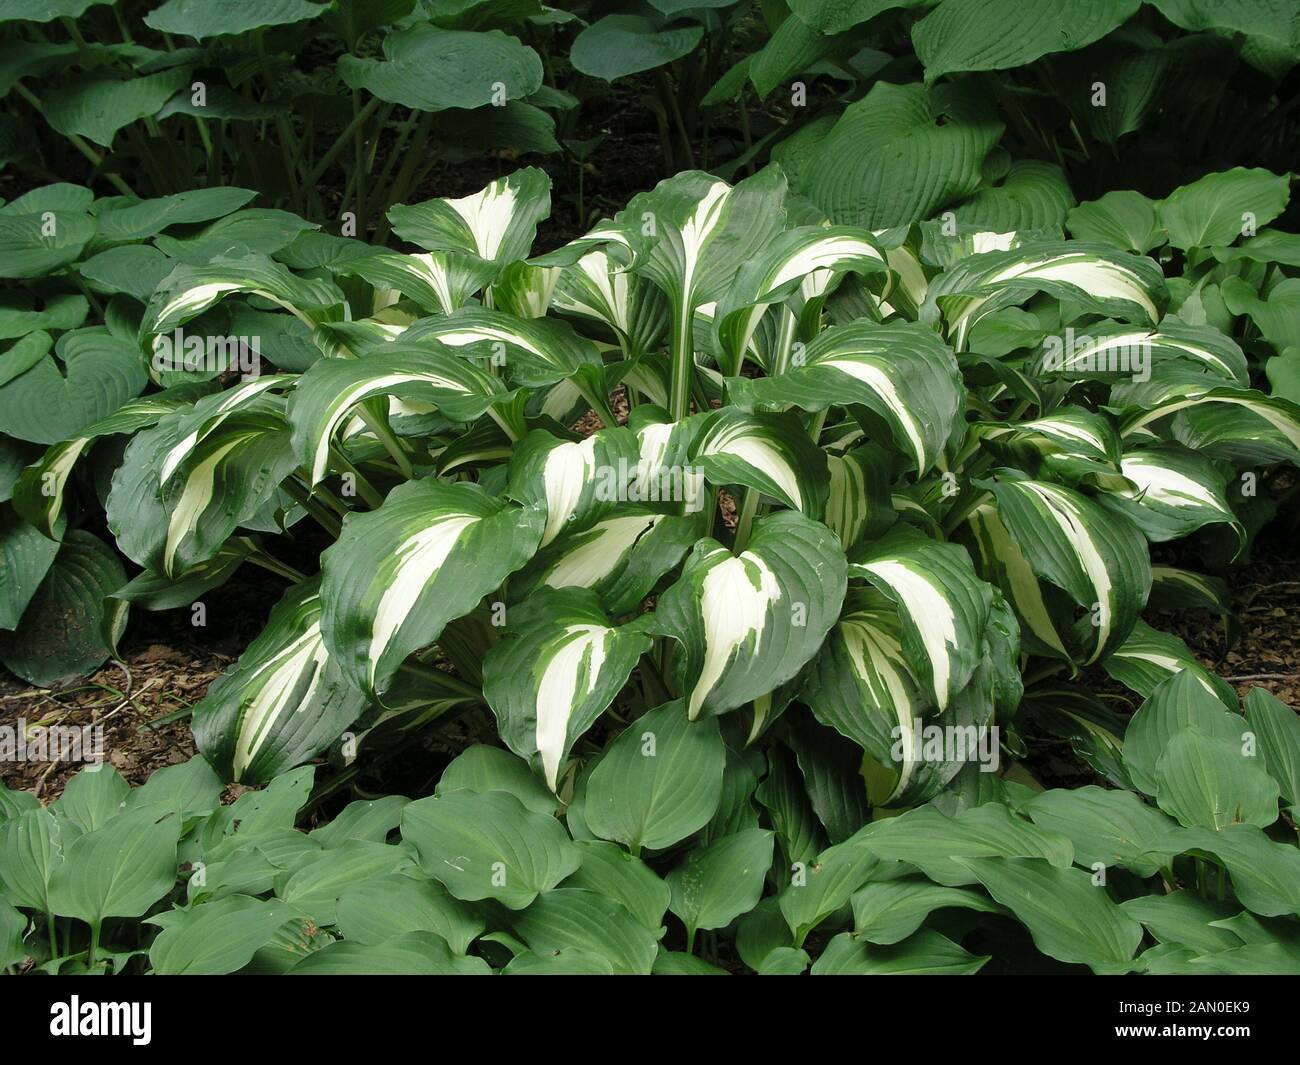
<point x="1174" y="492"/>
<point x="153" y="591"/>
<point x="1074" y="446"/>
<point x="1109" y="351"/>
<point x="903" y="373"/>
<point x="188" y="291"/>
<point x="858" y="505"/>
<point x="38" y="494"/>
<point x="689" y="235"/>
<point x="602" y="289"/>
<point x="525" y="290"/>
<point x="429" y="373"/>
<point x="1097" y="557"/>
<point x="496" y="225"/>
<point x="1174" y="588"/>
<point x="809" y="253"/>
<point x="224" y="482"/>
<point x="1149" y="657"/>
<point x="574" y="483"/>
<point x="1239" y="425"/>
<point x="621" y="557"/>
<point x="942" y="604"/>
<point x="438" y="282"/>
<point x="211" y="412"/>
<point x="862" y="685"/>
<point x="1002" y="562"/>
<point x="748" y="623"/>
<point x="558" y="665"/>
<point x="535" y="352"/>
<point x="283" y="702"/>
<point x="399" y="574"/>
<point x="771" y="453"/>
<point x="1098" y="277"/>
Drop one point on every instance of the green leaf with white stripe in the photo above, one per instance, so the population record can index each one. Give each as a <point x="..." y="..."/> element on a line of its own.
<point x="858" y="504"/>
<point x="770" y="453"/>
<point x="283" y="702"/>
<point x="942" y="604"/>
<point x="574" y="483"/>
<point x="1238" y="425"/>
<point x="558" y="666"/>
<point x="1073" y="446"/>
<point x="438" y="282"/>
<point x="399" y="574"/>
<point x="620" y="557"/>
<point x="496" y="225"/>
<point x="189" y="290"/>
<point x="1097" y="278"/>
<point x="1149" y="657"/>
<point x="904" y="374"/>
<point x="805" y="259"/>
<point x="1098" y="558"/>
<point x="38" y="494"/>
<point x="1175" y="492"/>
<point x="223" y="482"/>
<point x="862" y="685"/>
<point x="429" y="373"/>
<point x="535" y="352"/>
<point x="748" y="623"/>
<point x="1113" y="351"/>
<point x="601" y="289"/>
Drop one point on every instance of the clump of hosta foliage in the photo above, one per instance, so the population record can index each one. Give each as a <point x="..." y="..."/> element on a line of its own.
<point x="948" y="452"/>
<point x="1186" y="873"/>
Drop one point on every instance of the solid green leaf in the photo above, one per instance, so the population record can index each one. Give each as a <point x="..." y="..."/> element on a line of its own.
<point x="659" y="781"/>
<point x="489" y="846"/>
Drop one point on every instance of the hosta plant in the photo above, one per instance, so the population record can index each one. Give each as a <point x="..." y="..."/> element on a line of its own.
<point x="877" y="500"/>
<point x="699" y="858"/>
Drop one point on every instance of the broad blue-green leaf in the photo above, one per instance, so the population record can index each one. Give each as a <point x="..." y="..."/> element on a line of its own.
<point x="659" y="781"/>
<point x="90" y="375"/>
<point x="716" y="883"/>
<point x="218" y="937"/>
<point x="61" y="633"/>
<point x="996" y="34"/>
<point x="1177" y="704"/>
<point x="888" y="911"/>
<point x="489" y="846"/>
<point x="1106" y="827"/>
<point x="1070" y="916"/>
<point x="382" y="907"/>
<point x="576" y="919"/>
<point x="1210" y="783"/>
<point x="430" y="69"/>
<point x="119" y="870"/>
<point x="411" y="954"/>
<point x="618" y="45"/>
<point x="936" y="843"/>
<point x="1223" y="206"/>
<point x="889" y="160"/>
<point x="197" y="19"/>
<point x="926" y="953"/>
<point x="97" y="107"/>
<point x="1277" y="729"/>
